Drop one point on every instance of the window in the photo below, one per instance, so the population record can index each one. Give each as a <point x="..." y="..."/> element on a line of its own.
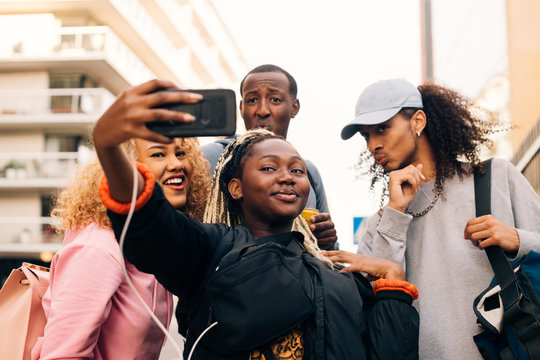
<point x="67" y="103"/>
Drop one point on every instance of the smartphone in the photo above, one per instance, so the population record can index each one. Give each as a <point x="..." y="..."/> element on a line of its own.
<point x="215" y="115"/>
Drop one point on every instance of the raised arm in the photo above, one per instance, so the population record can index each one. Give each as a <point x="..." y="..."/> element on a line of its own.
<point x="126" y="118"/>
<point x="160" y="240"/>
<point x="384" y="235"/>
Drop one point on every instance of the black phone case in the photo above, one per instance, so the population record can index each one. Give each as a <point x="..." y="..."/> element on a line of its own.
<point x="215" y="115"/>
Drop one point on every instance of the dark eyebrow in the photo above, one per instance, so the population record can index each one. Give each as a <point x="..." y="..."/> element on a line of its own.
<point x="269" y="156"/>
<point x="276" y="90"/>
<point x="367" y="127"/>
<point x="251" y="92"/>
<point x="295" y="157"/>
<point x="272" y="90"/>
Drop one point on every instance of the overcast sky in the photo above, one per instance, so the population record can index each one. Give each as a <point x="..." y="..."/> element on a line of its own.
<point x="336" y="48"/>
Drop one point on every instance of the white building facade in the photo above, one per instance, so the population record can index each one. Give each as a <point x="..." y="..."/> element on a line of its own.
<point x="62" y="63"/>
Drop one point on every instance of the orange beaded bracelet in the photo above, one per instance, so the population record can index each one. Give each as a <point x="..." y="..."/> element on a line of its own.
<point x="123" y="208"/>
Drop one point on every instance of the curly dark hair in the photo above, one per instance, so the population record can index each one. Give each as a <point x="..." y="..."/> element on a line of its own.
<point x="456" y="129"/>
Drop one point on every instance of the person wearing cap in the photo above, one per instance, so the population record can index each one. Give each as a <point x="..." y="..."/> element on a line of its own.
<point x="423" y="144"/>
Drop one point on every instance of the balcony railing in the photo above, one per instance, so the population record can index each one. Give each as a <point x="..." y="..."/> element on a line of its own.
<point x="35" y="169"/>
<point x="91" y="39"/>
<point x="83" y="43"/>
<point x="43" y="103"/>
<point x="28" y="236"/>
<point x="28" y="230"/>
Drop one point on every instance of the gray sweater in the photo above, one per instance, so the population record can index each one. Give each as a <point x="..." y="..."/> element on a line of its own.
<point x="448" y="270"/>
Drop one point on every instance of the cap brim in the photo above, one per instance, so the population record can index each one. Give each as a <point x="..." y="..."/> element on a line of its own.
<point x="349" y="130"/>
<point x="371" y="118"/>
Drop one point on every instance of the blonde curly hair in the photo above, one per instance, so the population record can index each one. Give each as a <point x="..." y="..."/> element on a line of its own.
<point x="199" y="179"/>
<point x="78" y="204"/>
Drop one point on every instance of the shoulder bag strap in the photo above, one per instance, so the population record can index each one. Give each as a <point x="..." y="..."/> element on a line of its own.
<point x="499" y="263"/>
<point x="525" y="323"/>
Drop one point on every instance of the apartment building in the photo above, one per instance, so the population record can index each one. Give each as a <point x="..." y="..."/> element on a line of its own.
<point x="524" y="74"/>
<point x="62" y="63"/>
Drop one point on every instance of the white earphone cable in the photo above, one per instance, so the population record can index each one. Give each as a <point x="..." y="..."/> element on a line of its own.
<point x="121" y="244"/>
<point x="199" y="338"/>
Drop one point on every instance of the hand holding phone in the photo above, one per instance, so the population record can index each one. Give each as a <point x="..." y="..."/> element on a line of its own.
<point x="215" y="115"/>
<point x="134" y="107"/>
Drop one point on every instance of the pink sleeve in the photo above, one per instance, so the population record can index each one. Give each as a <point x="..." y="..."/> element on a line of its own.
<point x="84" y="279"/>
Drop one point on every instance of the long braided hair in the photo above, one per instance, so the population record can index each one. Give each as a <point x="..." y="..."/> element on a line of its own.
<point x="222" y="208"/>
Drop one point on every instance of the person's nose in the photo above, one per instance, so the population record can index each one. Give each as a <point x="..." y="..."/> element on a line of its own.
<point x="263" y="110"/>
<point x="175" y="164"/>
<point x="285" y="177"/>
<point x="374" y="144"/>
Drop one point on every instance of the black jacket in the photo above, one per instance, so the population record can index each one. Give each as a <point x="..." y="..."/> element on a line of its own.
<point x="182" y="252"/>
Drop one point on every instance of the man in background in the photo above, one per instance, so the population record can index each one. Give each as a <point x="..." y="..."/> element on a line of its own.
<point x="268" y="101"/>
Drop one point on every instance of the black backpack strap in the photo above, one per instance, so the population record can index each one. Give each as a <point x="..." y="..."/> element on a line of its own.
<point x="525" y="324"/>
<point x="501" y="267"/>
<point x="239" y="248"/>
<point x="318" y="344"/>
<point x="296" y="246"/>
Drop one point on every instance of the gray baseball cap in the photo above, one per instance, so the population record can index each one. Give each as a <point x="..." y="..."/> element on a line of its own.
<point x="380" y="101"/>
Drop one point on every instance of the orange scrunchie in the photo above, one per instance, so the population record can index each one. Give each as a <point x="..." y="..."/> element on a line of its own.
<point x="123" y="208"/>
<point x="400" y="285"/>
